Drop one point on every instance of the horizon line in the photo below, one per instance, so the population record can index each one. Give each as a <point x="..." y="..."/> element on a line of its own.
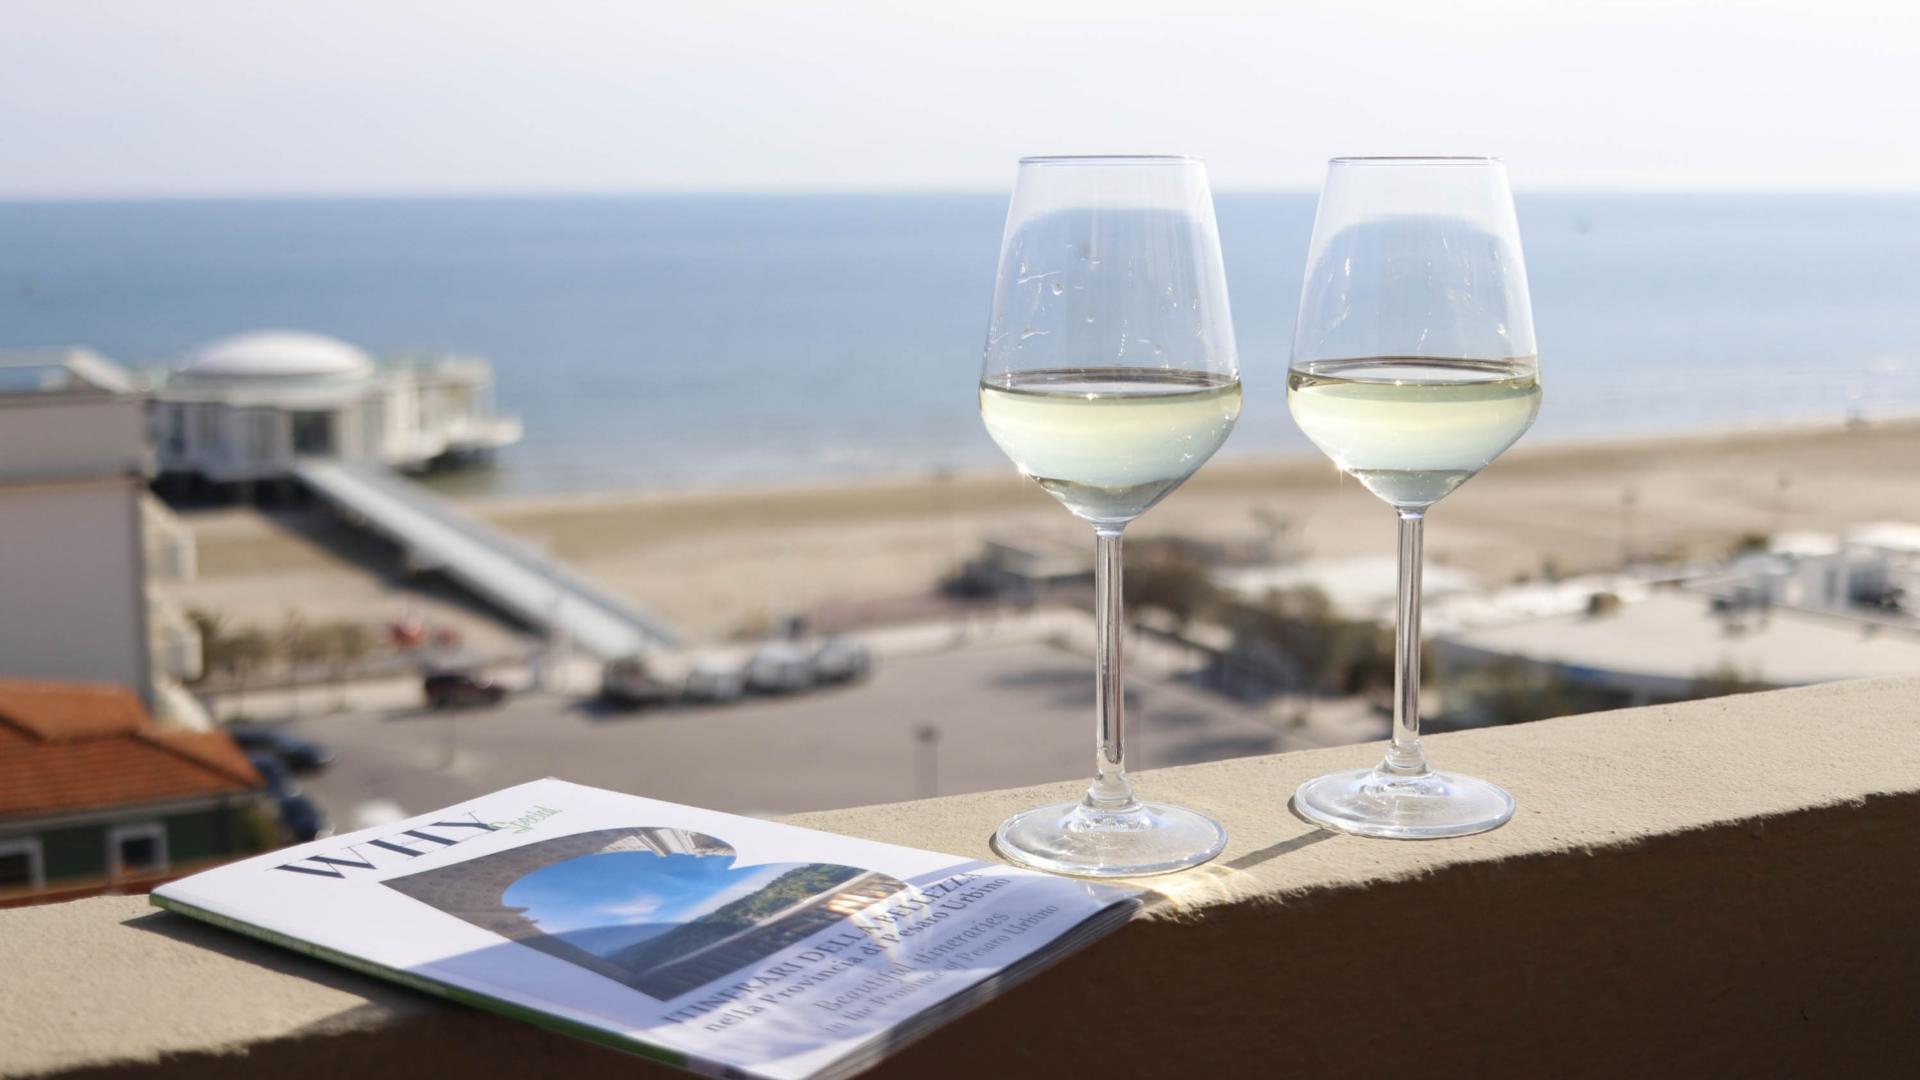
<point x="723" y="191"/>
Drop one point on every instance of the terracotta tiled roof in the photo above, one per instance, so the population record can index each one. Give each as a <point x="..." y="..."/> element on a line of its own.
<point x="63" y="710"/>
<point x="74" y="746"/>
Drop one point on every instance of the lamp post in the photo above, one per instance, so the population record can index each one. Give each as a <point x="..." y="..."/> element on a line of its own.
<point x="927" y="758"/>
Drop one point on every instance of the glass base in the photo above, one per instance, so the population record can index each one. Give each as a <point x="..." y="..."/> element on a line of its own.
<point x="1142" y="839"/>
<point x="1369" y="802"/>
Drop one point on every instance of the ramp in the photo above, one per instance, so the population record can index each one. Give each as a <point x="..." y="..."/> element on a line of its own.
<point x="520" y="580"/>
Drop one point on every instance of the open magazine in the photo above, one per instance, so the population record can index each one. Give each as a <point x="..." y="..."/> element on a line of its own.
<point x="722" y="944"/>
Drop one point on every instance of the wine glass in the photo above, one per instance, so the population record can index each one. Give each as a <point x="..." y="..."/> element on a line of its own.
<point x="1413" y="367"/>
<point x="1110" y="376"/>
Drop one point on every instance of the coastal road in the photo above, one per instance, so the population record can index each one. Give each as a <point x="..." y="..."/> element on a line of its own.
<point x="1005" y="716"/>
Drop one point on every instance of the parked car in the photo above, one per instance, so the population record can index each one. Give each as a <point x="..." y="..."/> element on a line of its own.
<point x="840" y="660"/>
<point x="630" y="682"/>
<point x="302" y="819"/>
<point x="300" y="755"/>
<point x="781" y="667"/>
<point x="298" y="815"/>
<point x="274" y="771"/>
<point x="445" y="689"/>
<point x="716" y="678"/>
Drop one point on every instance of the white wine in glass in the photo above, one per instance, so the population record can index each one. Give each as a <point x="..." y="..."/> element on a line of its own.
<point x="1411" y="429"/>
<point x="1110" y="376"/>
<point x="1413" y="368"/>
<point x="1109" y="442"/>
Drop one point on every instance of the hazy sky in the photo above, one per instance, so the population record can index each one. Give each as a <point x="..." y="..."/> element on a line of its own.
<point x="401" y="96"/>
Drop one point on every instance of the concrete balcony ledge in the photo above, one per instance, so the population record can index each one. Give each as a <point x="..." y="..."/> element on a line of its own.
<point x="1721" y="888"/>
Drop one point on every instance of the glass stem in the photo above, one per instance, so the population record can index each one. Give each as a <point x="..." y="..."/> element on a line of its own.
<point x="1110" y="790"/>
<point x="1404" y="757"/>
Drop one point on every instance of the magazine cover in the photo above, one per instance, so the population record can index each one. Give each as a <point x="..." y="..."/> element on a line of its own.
<point x="722" y="944"/>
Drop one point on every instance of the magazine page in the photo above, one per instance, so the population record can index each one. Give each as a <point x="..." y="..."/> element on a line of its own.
<point x="726" y="944"/>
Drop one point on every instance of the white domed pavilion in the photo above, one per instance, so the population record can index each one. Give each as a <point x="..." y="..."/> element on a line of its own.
<point x="250" y="407"/>
<point x="276" y="354"/>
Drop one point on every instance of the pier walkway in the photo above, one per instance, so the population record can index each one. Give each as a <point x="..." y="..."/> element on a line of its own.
<point x="518" y="579"/>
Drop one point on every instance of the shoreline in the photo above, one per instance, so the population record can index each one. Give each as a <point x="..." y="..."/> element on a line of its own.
<point x="720" y="563"/>
<point x="488" y="503"/>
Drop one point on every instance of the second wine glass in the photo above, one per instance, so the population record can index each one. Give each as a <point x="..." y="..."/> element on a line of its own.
<point x="1110" y="376"/>
<point x="1413" y="368"/>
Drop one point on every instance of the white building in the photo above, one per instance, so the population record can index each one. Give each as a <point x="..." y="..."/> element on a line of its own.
<point x="79" y="532"/>
<point x="1811" y="608"/>
<point x="1663" y="646"/>
<point x="249" y="407"/>
<point x="1870" y="572"/>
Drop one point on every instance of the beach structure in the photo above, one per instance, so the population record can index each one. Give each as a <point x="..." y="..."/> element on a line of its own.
<point x="1869" y="572"/>
<point x="1026" y="565"/>
<point x="294" y="407"/>
<point x="432" y="534"/>
<point x="85" y="544"/>
<point x="251" y="407"/>
<point x="298" y="410"/>
<point x="1667" y="646"/>
<point x="1808" y="608"/>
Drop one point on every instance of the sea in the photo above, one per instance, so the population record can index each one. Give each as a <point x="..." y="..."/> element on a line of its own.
<point x="673" y="342"/>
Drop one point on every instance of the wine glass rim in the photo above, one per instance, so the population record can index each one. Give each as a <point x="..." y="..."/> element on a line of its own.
<point x="1422" y="159"/>
<point x="1110" y="159"/>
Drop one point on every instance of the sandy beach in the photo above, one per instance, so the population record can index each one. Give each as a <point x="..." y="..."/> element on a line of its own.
<point x="722" y="562"/>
